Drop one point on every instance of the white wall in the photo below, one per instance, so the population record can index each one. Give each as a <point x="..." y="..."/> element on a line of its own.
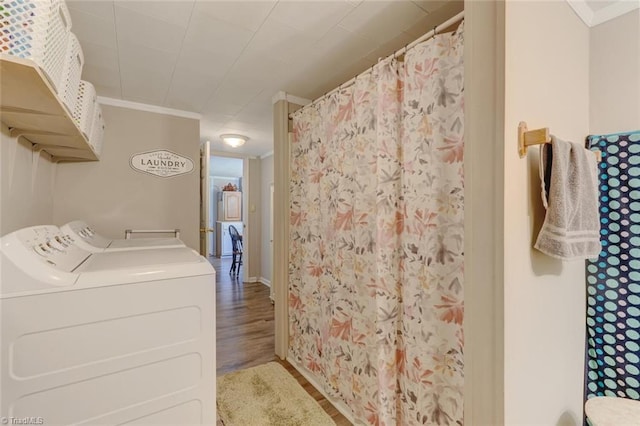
<point x="266" y="167"/>
<point x="112" y="197"/>
<point x="25" y="199"/>
<point x="615" y="75"/>
<point x="546" y="85"/>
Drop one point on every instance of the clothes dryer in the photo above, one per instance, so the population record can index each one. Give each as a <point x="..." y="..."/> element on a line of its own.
<point x="104" y="338"/>
<point x="88" y="239"/>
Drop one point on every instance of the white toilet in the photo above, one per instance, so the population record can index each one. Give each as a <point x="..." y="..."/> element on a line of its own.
<point x="612" y="411"/>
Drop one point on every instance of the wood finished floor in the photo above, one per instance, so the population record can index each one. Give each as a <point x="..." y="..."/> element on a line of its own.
<point x="245" y="330"/>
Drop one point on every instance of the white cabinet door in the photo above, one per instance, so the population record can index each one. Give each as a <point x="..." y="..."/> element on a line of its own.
<point x="230" y="206"/>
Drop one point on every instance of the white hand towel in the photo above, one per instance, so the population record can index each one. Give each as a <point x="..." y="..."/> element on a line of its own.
<point x="571" y="228"/>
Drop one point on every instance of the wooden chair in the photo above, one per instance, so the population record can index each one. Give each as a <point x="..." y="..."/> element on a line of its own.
<point x="236" y="246"/>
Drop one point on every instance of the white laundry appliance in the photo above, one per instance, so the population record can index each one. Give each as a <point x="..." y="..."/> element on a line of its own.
<point x="87" y="239"/>
<point x="123" y="337"/>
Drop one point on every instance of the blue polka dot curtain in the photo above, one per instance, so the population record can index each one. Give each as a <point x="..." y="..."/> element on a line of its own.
<point x="613" y="280"/>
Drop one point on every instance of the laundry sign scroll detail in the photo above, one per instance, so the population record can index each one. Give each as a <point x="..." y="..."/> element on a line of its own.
<point x="161" y="163"/>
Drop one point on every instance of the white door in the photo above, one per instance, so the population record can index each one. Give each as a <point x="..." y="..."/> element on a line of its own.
<point x="206" y="228"/>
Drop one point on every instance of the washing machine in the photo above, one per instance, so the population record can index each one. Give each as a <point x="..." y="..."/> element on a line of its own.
<point x="123" y="337"/>
<point x="89" y="240"/>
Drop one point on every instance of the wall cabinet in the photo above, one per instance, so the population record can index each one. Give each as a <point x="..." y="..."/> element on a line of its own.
<point x="230" y="206"/>
<point x="223" y="240"/>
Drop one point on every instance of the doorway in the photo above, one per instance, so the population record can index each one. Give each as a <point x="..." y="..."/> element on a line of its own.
<point x="244" y="312"/>
<point x="226" y="182"/>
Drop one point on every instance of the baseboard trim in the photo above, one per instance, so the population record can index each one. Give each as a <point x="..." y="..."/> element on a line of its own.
<point x="265" y="281"/>
<point x="252" y="280"/>
<point x="339" y="405"/>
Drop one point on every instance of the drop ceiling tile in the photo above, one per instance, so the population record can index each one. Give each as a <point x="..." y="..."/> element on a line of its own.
<point x="249" y="121"/>
<point x="431" y="5"/>
<point x="160" y="78"/>
<point x="145" y="73"/>
<point x="237" y="92"/>
<point x="255" y="122"/>
<point x="201" y="61"/>
<point x="206" y="79"/>
<point x="186" y="98"/>
<point x="131" y="54"/>
<point x="217" y="121"/>
<point x="101" y="76"/>
<point x="99" y="56"/>
<point x="435" y="18"/>
<point x="390" y="47"/>
<point x="100" y="8"/>
<point x="239" y="127"/>
<point x="340" y="47"/>
<point x="324" y="78"/>
<point x="305" y="78"/>
<point x="255" y="109"/>
<point x="303" y="87"/>
<point x="382" y="20"/>
<point x="234" y="126"/>
<point x="280" y="41"/>
<point x="312" y="18"/>
<point x="256" y="126"/>
<point x="133" y="27"/>
<point x="354" y="69"/>
<point x="172" y="12"/>
<point x="141" y="86"/>
<point x="93" y="29"/>
<point x="271" y="69"/>
<point x="109" y="91"/>
<point x="216" y="106"/>
<point x="211" y="125"/>
<point x="216" y="36"/>
<point x="309" y="83"/>
<point x="190" y="90"/>
<point x="245" y="14"/>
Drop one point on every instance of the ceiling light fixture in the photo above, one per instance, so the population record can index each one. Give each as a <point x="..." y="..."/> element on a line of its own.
<point x="234" y="141"/>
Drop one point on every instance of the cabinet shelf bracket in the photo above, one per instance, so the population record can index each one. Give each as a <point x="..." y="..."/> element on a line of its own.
<point x="36" y="151"/>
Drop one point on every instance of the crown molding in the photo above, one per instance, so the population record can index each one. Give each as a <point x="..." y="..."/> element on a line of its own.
<point x="593" y="18"/>
<point x="148" y="108"/>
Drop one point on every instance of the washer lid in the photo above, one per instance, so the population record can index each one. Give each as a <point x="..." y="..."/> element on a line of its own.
<point x="139" y="258"/>
<point x="140" y="243"/>
<point x="132" y="266"/>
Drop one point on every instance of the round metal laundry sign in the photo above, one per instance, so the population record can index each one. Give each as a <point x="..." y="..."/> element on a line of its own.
<point x="161" y="163"/>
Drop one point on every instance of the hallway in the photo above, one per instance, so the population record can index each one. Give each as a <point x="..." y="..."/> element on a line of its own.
<point x="244" y="318"/>
<point x="245" y="330"/>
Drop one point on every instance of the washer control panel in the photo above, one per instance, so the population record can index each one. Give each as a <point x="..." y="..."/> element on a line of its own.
<point x="87" y="232"/>
<point x="82" y="231"/>
<point x="49" y="245"/>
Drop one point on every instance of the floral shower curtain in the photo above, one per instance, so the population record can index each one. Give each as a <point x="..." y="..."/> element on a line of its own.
<point x="376" y="255"/>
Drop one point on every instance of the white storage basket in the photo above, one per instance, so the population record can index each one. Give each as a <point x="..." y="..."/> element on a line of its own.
<point x="97" y="129"/>
<point x="36" y="30"/>
<point x="85" y="104"/>
<point x="71" y="72"/>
